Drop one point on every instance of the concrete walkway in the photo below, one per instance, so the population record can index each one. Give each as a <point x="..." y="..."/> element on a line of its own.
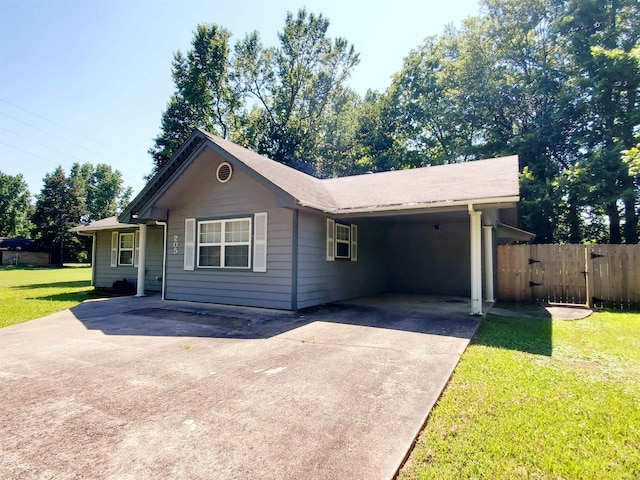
<point x="133" y="388"/>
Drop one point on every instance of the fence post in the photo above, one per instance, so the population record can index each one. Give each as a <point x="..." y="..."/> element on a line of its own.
<point x="587" y="273"/>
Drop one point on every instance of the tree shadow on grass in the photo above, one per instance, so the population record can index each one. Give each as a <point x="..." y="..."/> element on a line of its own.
<point x="531" y="334"/>
<point x="70" y="296"/>
<point x="72" y="284"/>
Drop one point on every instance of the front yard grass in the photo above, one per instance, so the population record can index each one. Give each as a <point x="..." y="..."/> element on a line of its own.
<point x="31" y="292"/>
<point x="539" y="399"/>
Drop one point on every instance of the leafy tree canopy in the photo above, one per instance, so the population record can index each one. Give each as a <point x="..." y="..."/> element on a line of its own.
<point x="15" y="206"/>
<point x="278" y="101"/>
<point x="87" y="194"/>
<point x="554" y="81"/>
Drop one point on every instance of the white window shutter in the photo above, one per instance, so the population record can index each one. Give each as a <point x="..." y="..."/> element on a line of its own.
<point x="136" y="248"/>
<point x="331" y="240"/>
<point x="354" y="243"/>
<point x="114" y="249"/>
<point x="260" y="242"/>
<point x="189" y="243"/>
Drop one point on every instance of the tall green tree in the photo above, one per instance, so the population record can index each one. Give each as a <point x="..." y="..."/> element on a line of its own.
<point x="601" y="38"/>
<point x="492" y="87"/>
<point x="379" y="148"/>
<point x="100" y="190"/>
<point x="204" y="96"/>
<point x="58" y="208"/>
<point x="295" y="87"/>
<point x="15" y="206"/>
<point x="547" y="80"/>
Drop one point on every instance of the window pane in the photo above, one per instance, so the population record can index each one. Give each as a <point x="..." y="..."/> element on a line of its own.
<point x="126" y="240"/>
<point x="209" y="257"/>
<point x="204" y="233"/>
<point x="342" y="250"/>
<point x="126" y="257"/>
<point x="342" y="232"/>
<point x="210" y="232"/>
<point x="236" y="256"/>
<point x="237" y="231"/>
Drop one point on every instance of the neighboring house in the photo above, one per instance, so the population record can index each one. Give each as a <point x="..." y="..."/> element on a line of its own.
<point x="222" y="224"/>
<point x="21" y="251"/>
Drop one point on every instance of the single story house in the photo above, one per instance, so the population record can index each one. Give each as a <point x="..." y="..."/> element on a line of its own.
<point x="222" y="224"/>
<point x="21" y="251"/>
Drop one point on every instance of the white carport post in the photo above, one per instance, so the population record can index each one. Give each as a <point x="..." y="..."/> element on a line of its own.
<point x="475" y="227"/>
<point x="142" y="257"/>
<point x="488" y="263"/>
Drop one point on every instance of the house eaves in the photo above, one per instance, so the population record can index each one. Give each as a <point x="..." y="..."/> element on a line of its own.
<point x="161" y="178"/>
<point x="480" y="182"/>
<point x="509" y="232"/>
<point x="109" y="223"/>
<point x="501" y="202"/>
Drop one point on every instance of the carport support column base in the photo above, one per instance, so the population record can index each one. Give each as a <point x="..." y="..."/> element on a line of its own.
<point x="475" y="227"/>
<point x="142" y="257"/>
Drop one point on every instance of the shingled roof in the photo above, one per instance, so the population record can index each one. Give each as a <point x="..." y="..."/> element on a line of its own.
<point x="491" y="180"/>
<point x="108" y="223"/>
<point x="296" y="183"/>
<point x="18" y="243"/>
<point x="420" y="187"/>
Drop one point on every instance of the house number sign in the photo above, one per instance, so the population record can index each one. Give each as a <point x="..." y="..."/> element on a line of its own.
<point x="175" y="244"/>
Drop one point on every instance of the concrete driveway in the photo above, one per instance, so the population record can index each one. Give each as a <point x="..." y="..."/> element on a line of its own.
<point x="133" y="388"/>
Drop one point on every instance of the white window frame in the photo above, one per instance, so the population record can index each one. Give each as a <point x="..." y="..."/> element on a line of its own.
<point x="346" y="242"/>
<point x="223" y="243"/>
<point x="132" y="249"/>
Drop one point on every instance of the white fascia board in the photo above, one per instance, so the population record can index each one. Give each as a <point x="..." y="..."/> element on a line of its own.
<point x="411" y="206"/>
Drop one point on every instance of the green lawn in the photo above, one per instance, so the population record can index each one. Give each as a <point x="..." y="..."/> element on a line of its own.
<point x="539" y="399"/>
<point x="31" y="292"/>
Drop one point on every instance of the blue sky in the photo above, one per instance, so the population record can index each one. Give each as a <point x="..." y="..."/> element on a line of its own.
<point x="86" y="81"/>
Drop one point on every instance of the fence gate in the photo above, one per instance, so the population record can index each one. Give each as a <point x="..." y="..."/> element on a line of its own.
<point x="578" y="274"/>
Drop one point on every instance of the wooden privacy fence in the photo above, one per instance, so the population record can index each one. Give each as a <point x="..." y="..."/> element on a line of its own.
<point x="593" y="275"/>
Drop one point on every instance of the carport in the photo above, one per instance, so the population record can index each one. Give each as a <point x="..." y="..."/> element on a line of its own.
<point x="446" y="251"/>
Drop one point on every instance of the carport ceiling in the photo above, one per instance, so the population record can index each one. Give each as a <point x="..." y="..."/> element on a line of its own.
<point x="435" y="218"/>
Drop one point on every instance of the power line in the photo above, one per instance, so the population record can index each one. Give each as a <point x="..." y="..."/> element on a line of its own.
<point x="28" y="153"/>
<point x="71" y="143"/>
<point x="67" y="128"/>
<point x="41" y="144"/>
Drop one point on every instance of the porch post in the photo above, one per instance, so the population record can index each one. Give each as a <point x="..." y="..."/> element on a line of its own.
<point x="94" y="241"/>
<point x="475" y="226"/>
<point x="488" y="263"/>
<point x="142" y="253"/>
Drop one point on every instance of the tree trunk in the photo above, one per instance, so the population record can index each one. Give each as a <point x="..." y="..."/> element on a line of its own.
<point x="575" y="235"/>
<point x="615" y="233"/>
<point x="61" y="258"/>
<point x="630" y="220"/>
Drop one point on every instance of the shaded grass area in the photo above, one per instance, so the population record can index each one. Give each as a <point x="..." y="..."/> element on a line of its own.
<point x="513" y="411"/>
<point x="31" y="292"/>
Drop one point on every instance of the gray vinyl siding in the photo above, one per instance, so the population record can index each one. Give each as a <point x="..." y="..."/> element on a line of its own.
<point x="393" y="256"/>
<point x="105" y="274"/>
<point x="428" y="261"/>
<point x="241" y="196"/>
<point x="321" y="281"/>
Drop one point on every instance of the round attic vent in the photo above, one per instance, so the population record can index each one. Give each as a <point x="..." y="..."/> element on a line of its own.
<point x="224" y="172"/>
